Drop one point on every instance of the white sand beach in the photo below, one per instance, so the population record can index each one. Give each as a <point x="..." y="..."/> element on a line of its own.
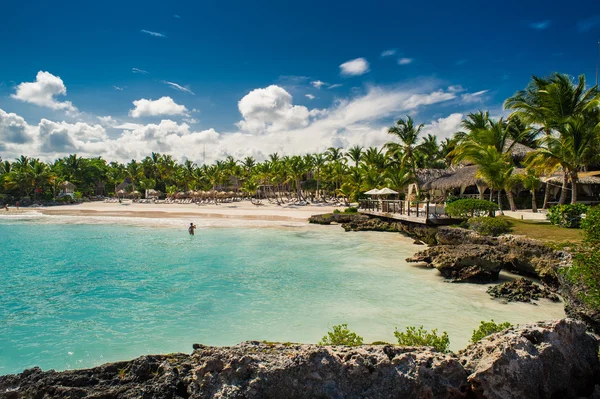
<point x="242" y="210"/>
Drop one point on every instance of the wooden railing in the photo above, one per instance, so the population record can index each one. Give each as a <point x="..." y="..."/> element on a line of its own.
<point x="418" y="209"/>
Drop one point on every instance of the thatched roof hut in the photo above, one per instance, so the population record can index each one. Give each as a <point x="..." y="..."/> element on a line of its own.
<point x="518" y="151"/>
<point x="125" y="184"/>
<point x="66" y="185"/>
<point x="461" y="177"/>
<point x="583" y="179"/>
<point x="427" y="175"/>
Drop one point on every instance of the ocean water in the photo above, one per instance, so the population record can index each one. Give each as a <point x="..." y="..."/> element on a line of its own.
<point x="75" y="295"/>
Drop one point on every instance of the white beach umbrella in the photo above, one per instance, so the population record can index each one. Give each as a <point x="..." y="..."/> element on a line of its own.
<point x="386" y="191"/>
<point x="372" y="192"/>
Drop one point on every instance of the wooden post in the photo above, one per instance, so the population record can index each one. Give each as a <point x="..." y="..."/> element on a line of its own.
<point x="427" y="214"/>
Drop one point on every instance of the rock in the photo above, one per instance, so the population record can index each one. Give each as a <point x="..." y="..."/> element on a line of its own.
<point x="575" y="307"/>
<point x="329" y="218"/>
<point x="521" y="290"/>
<point x="446" y="235"/>
<point x="556" y="359"/>
<point x="465" y="262"/>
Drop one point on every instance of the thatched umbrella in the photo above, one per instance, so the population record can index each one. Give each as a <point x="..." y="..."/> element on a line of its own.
<point x="189" y="193"/>
<point x="180" y="194"/>
<point x="461" y="177"/>
<point x="121" y="193"/>
<point x="66" y="185"/>
<point x="136" y="194"/>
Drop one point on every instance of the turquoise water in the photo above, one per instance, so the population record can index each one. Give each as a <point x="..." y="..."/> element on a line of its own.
<point x="76" y="296"/>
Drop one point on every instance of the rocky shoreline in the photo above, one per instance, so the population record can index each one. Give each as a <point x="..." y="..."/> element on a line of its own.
<point x="542" y="360"/>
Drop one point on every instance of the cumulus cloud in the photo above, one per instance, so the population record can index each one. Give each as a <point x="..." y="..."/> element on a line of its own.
<point x="162" y="106"/>
<point x="271" y="109"/>
<point x="405" y="61"/>
<point x="388" y="53"/>
<point x="13" y="129"/>
<point x="107" y="121"/>
<point x="151" y="33"/>
<point x="309" y="96"/>
<point x="42" y="92"/>
<point x="356" y="67"/>
<point x="176" y="86"/>
<point x="444" y="128"/>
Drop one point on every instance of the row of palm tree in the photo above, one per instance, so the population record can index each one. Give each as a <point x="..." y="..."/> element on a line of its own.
<point x="556" y="116"/>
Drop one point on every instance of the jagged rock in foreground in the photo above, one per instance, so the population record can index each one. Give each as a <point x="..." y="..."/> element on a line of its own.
<point x="328" y="218"/>
<point x="521" y="290"/>
<point x="545" y="360"/>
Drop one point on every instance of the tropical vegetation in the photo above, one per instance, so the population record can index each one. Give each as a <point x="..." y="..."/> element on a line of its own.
<point x="487" y="328"/>
<point x="556" y="116"/>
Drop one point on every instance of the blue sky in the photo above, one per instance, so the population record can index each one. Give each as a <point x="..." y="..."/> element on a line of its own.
<point x="208" y="56"/>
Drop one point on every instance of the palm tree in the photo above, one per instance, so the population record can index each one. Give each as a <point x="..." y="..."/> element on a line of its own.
<point x="550" y="103"/>
<point x="355" y="154"/>
<point x="408" y="134"/>
<point x="531" y="181"/>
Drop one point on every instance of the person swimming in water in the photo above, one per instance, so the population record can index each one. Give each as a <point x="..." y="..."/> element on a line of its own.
<point x="191" y="229"/>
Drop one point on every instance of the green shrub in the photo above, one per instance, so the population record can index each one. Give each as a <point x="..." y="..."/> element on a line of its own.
<point x="420" y="337"/>
<point x="470" y="207"/>
<point x="340" y="335"/>
<point x="336" y="211"/>
<point x="451" y="198"/>
<point x="569" y="215"/>
<point x="351" y="209"/>
<point x="591" y="224"/>
<point x="488" y="226"/>
<point x="488" y="327"/>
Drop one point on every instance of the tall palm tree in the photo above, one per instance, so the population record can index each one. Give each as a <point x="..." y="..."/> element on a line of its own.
<point x="355" y="154"/>
<point x="408" y="134"/>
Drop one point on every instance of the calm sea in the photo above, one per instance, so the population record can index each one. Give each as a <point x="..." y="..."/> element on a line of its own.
<point x="78" y="295"/>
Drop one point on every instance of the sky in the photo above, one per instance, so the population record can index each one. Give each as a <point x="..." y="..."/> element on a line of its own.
<point x="202" y="80"/>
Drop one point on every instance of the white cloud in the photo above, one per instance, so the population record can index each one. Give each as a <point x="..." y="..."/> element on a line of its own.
<point x="107" y="121"/>
<point x="444" y="127"/>
<point x="455" y="88"/>
<point x="473" y="97"/>
<point x="118" y="88"/>
<point x="176" y="86"/>
<point x="405" y="61"/>
<point x="42" y="92"/>
<point x="356" y="67"/>
<point x="318" y="84"/>
<point x="151" y="33"/>
<point x="163" y="106"/>
<point x="13" y="129"/>
<point x="388" y="53"/>
<point x="335" y="86"/>
<point x="271" y="109"/>
<point x="140" y="71"/>
<point x="309" y="96"/>
<point x="63" y="137"/>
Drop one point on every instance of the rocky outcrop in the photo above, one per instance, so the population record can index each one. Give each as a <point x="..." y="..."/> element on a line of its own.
<point x="338" y="218"/>
<point x="575" y="307"/>
<point x="420" y="232"/>
<point x="521" y="290"/>
<point x="465" y="262"/>
<point x="517" y="254"/>
<point x="544" y="360"/>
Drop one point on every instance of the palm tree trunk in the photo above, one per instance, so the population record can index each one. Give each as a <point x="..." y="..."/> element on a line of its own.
<point x="574" y="179"/>
<point x="500" y="202"/>
<point x="533" y="202"/>
<point x="511" y="200"/>
<point x="546" y="196"/>
<point x="565" y="187"/>
<point x="491" y="194"/>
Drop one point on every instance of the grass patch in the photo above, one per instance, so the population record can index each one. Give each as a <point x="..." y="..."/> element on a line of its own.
<point x="543" y="231"/>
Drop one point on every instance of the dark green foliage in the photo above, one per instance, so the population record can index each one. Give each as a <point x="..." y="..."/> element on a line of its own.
<point x="380" y="343"/>
<point x="341" y="335"/>
<point x="488" y="226"/>
<point x="351" y="209"/>
<point x="421" y="337"/>
<point x="336" y="211"/>
<point x="586" y="261"/>
<point x="569" y="215"/>
<point x="470" y="207"/>
<point x="488" y="327"/>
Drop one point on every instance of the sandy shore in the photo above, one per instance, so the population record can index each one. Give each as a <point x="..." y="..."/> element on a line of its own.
<point x="242" y="210"/>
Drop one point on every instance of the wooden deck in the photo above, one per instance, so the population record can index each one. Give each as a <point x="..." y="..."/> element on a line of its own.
<point x="422" y="212"/>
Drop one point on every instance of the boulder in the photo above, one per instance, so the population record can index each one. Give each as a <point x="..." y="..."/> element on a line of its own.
<point x="521" y="290"/>
<point x="465" y="262"/>
<point x="555" y="359"/>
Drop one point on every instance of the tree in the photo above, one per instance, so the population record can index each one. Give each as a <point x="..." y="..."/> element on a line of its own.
<point x="408" y="134"/>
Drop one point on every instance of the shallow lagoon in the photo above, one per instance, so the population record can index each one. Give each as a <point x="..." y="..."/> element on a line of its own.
<point x="76" y="295"/>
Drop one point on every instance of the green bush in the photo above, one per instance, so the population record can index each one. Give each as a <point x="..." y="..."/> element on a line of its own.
<point x="591" y="224"/>
<point x="420" y="337"/>
<point x="470" y="207"/>
<point x="340" y="335"/>
<point x="336" y="211"/>
<point x="567" y="215"/>
<point x="488" y="327"/>
<point x="351" y="209"/>
<point x="488" y="226"/>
